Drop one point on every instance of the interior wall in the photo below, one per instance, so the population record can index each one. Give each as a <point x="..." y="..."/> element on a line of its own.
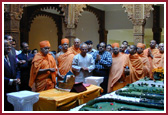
<point x="120" y="28"/>
<point x="43" y="28"/>
<point x="117" y="24"/>
<point x="87" y="28"/>
<point x="119" y="35"/>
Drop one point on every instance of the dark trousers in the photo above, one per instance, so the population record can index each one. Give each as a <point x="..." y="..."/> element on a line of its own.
<point x="102" y="73"/>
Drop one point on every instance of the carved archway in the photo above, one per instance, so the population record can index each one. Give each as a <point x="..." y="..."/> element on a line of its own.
<point x="31" y="12"/>
<point x="100" y="15"/>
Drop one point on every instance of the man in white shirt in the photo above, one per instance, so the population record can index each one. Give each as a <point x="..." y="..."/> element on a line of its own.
<point x="83" y="64"/>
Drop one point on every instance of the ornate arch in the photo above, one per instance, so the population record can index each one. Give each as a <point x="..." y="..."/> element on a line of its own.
<point x="36" y="10"/>
<point x="30" y="13"/>
<point x="100" y="15"/>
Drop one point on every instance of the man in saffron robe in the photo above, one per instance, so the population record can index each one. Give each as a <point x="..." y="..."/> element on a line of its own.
<point x="75" y="48"/>
<point x="115" y="81"/>
<point x="64" y="58"/>
<point x="144" y="58"/>
<point x="158" y="59"/>
<point x="150" y="53"/>
<point x="44" y="69"/>
<point x="133" y="66"/>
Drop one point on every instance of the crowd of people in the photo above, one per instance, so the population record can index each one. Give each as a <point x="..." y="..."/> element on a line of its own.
<point x="40" y="70"/>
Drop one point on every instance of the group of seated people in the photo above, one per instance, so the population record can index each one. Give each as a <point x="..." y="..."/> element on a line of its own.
<point x="119" y="65"/>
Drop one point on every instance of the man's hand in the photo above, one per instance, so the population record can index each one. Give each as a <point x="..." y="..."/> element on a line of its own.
<point x="22" y="61"/>
<point x="85" y="68"/>
<point x="17" y="81"/>
<point x="98" y="57"/>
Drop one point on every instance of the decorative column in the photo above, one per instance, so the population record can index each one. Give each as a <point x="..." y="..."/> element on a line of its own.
<point x="71" y="13"/>
<point x="156" y="24"/>
<point x="23" y="100"/>
<point x="138" y="13"/>
<point x="12" y="15"/>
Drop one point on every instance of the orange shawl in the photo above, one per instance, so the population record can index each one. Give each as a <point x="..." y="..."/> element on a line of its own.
<point x="154" y="52"/>
<point x="136" y="68"/>
<point x="158" y="60"/>
<point x="42" y="81"/>
<point x="65" y="62"/>
<point x="146" y="64"/>
<point x="73" y="50"/>
<point x="116" y="71"/>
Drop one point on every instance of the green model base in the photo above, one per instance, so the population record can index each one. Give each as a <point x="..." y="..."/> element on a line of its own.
<point x="142" y="91"/>
<point x="120" y="105"/>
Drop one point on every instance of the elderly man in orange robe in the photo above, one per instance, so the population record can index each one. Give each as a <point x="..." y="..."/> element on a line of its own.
<point x="158" y="59"/>
<point x="133" y="66"/>
<point x="44" y="69"/>
<point x="75" y="49"/>
<point x="115" y="81"/>
<point x="145" y="60"/>
<point x="64" y="58"/>
<point x="150" y="53"/>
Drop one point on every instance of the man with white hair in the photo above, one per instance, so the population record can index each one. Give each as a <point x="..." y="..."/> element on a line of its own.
<point x="83" y="64"/>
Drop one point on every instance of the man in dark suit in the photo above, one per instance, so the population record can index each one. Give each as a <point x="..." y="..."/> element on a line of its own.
<point x="11" y="74"/>
<point x="26" y="58"/>
<point x="10" y="39"/>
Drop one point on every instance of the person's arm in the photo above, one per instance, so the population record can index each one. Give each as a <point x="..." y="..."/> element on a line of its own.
<point x="92" y="66"/>
<point x="106" y="60"/>
<point x="41" y="71"/>
<point x="150" y="53"/>
<point x="11" y="81"/>
<point x="59" y="74"/>
<point x="75" y="65"/>
<point x="56" y="58"/>
<point x="23" y="64"/>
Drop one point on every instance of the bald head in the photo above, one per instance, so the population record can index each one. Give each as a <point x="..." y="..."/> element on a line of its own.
<point x="132" y="49"/>
<point x="152" y="44"/>
<point x="84" y="49"/>
<point x="161" y="47"/>
<point x="76" y="43"/>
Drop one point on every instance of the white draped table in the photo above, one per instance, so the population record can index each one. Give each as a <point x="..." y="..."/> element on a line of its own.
<point x="95" y="80"/>
<point x="23" y="100"/>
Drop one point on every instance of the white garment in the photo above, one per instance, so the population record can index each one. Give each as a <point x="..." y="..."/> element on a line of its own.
<point x="78" y="62"/>
<point x="18" y="52"/>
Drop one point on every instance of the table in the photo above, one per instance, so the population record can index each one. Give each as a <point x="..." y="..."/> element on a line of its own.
<point x="95" y="80"/>
<point x="60" y="100"/>
<point x="23" y="100"/>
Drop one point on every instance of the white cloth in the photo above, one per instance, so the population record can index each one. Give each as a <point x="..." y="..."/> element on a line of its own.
<point x="18" y="52"/>
<point x="79" y="62"/>
<point x="94" y="80"/>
